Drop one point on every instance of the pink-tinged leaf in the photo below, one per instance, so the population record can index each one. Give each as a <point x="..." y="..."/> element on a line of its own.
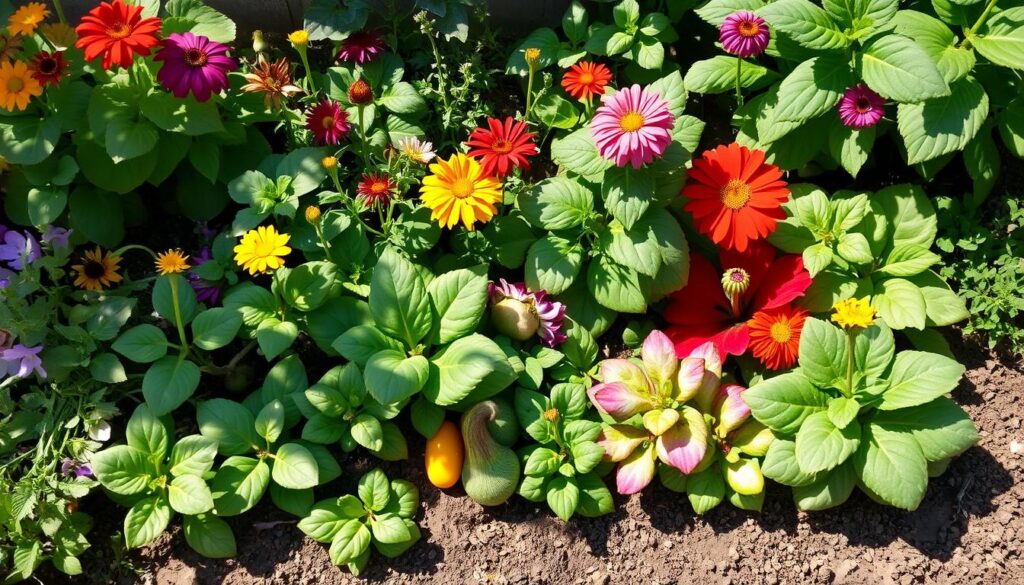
<point x="618" y="400"/>
<point x="732" y="410"/>
<point x="627" y="373"/>
<point x="685" y="443"/>
<point x="660" y="361"/>
<point x="712" y="358"/>
<point x="744" y="477"/>
<point x="689" y="379"/>
<point x="619" y="441"/>
<point x="660" y="420"/>
<point x="636" y="472"/>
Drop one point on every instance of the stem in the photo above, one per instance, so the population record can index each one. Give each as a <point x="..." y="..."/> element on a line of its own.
<point x="362" y="138"/>
<point x="323" y="242"/>
<point x="177" y="315"/>
<point x="60" y="11"/>
<point x="440" y="74"/>
<point x="739" y="93"/>
<point x="309" y="72"/>
<point x="529" y="95"/>
<point x="981" y="20"/>
<point x="851" y="336"/>
<point x="120" y="251"/>
<point x="735" y="301"/>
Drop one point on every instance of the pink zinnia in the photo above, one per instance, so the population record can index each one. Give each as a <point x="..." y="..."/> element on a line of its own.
<point x="744" y="34"/>
<point x="194" y="63"/>
<point x="361" y="47"/>
<point x="328" y="122"/>
<point x="633" y="125"/>
<point x="860" y="107"/>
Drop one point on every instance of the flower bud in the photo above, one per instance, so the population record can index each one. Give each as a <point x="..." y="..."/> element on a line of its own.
<point x="299" y="38"/>
<point x="515" y="319"/>
<point x="329" y="162"/>
<point x="313" y="214"/>
<point x="735" y="281"/>
<point x="6" y="339"/>
<point x="532" y="57"/>
<point x="753" y="439"/>
<point x="259" y="44"/>
<point x="360" y="93"/>
<point x="732" y="410"/>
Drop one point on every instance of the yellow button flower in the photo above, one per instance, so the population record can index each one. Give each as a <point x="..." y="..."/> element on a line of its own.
<point x="854" y="313"/>
<point x="262" y="250"/>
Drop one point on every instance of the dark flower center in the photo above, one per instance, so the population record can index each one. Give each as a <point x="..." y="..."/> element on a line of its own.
<point x="94" y="269"/>
<point x="863" y="105"/>
<point x="195" y="57"/>
<point x="118" y="30"/>
<point x="327" y="122"/>
<point x="47" y="66"/>
<point x="501" y="146"/>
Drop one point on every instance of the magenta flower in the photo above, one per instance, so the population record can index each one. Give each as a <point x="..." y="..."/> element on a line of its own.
<point x="207" y="291"/>
<point x="744" y="34"/>
<point x="20" y="361"/>
<point x="361" y="47"/>
<point x="521" y="314"/>
<point x="194" y="63"/>
<point x="56" y="237"/>
<point x="70" y="467"/>
<point x="633" y="125"/>
<point x="19" y="249"/>
<point x="860" y="107"/>
<point x="328" y="122"/>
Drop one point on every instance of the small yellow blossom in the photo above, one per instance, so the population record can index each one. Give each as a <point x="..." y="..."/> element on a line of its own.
<point x="171" y="262"/>
<point x="854" y="313"/>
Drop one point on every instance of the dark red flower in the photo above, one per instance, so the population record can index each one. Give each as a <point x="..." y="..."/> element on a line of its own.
<point x="361" y="47"/>
<point x="328" y="122"/>
<point x="118" y="32"/>
<point x="375" y="187"/>
<point x="502" y="146"/>
<point x="48" y="68"/>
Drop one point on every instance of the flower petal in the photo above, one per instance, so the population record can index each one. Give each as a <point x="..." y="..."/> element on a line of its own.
<point x="628" y="373"/>
<point x="684" y="444"/>
<point x="689" y="378"/>
<point x="636" y="471"/>
<point x="732" y="410"/>
<point x="618" y="400"/>
<point x="660" y="361"/>
<point x="619" y="441"/>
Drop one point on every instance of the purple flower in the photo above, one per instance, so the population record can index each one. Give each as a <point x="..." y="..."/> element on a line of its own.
<point x="520" y="314"/>
<point x="56" y="237"/>
<point x="194" y="63"/>
<point x="22" y="361"/>
<point x="860" y="107"/>
<point x="19" y="249"/>
<point x="5" y="278"/>
<point x="744" y="34"/>
<point x="361" y="47"/>
<point x="207" y="291"/>
<point x="71" y="467"/>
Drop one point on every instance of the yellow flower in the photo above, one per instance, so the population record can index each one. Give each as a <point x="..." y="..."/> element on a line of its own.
<point x="17" y="86"/>
<point x="329" y="162"/>
<point x="854" y="313"/>
<point x="25" y="20"/>
<point x="262" y="250"/>
<point x="171" y="262"/>
<point x="458" y="189"/>
<point x="313" y="214"/>
<point x="532" y="56"/>
<point x="61" y="35"/>
<point x="299" y="38"/>
<point x="97" y="270"/>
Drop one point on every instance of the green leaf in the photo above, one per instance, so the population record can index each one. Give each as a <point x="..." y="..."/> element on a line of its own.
<point x="808" y="24"/>
<point x="900" y="303"/>
<point x="715" y="11"/>
<point x="46" y="205"/>
<point x="821" y="446"/>
<point x="910" y="214"/>
<point x="294" y="467"/>
<point x="228" y="423"/>
<point x="861" y="14"/>
<point x="595" y="498"/>
<point x="426" y="416"/>
<point x="391" y="377"/>
<point x="186" y="116"/>
<point x="552" y="264"/>
<point x="941" y="428"/>
<point x="617" y="287"/>
<point x="146" y="520"/>
<point x="780" y="464"/>
<point x="123" y="470"/>
<point x="275" y="336"/>
<point x="358" y="344"/>
<point x="705" y="489"/>
<point x="270" y="421"/>
<point x="842" y="411"/>
<point x="326" y="518"/>
<point x="1001" y="38"/>
<point x="783" y="403"/>
<point x="627" y="194"/>
<point x="169" y="383"/>
<point x="816" y="258"/>
<point x="148" y="434"/>
<point x="891" y="465"/>
<point x="294" y="502"/>
<point x="214" y="328"/>
<point x="163" y="299"/>
<point x="192" y="455"/>
<point x="352" y="540"/>
<point x="28" y="140"/>
<point x="194" y="16"/>
<point x="189" y="495"/>
<point x="850" y="147"/>
<point x="637" y="248"/>
<point x="239" y="485"/>
<point x="578" y="153"/>
<point x="398" y="299"/>
<point x="823" y="349"/>
<point x="557" y="203"/>
<point x="389" y="529"/>
<point x="405" y="498"/>
<point x="459" y="299"/>
<point x="563" y="496"/>
<point x="309" y="285"/>
<point x="718" y="75"/>
<point x="828" y="491"/>
<point x="953" y="62"/>
<point x="542" y="462"/>
<point x="854" y="248"/>
<point x="813" y="88"/>
<point x="898" y="68"/>
<point x="374" y="490"/>
<point x="919" y="377"/>
<point x="106" y="368"/>
<point x="908" y="260"/>
<point x="586" y="456"/>
<point x="462" y="367"/>
<point x="944" y="124"/>
<point x="544" y="39"/>
<point x="209" y="536"/>
<point x="366" y="431"/>
<point x="402" y="98"/>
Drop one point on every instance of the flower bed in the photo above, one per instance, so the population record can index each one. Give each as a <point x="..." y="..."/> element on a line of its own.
<point x="572" y="268"/>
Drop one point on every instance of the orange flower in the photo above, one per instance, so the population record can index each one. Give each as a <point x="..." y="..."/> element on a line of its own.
<point x="585" y="80"/>
<point x="734" y="196"/>
<point x="775" y="336"/>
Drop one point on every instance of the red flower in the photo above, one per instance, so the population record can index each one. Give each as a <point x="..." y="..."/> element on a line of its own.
<point x="775" y="336"/>
<point x="584" y="80"/>
<point x="118" y="32"/>
<point x="758" y="281"/>
<point x="735" y="197"/>
<point x="375" y="187"/>
<point x="48" y="68"/>
<point x="502" y="146"/>
<point x="328" y="122"/>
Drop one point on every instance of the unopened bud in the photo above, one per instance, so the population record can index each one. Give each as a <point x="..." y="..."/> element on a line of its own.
<point x="360" y="93"/>
<point x="313" y="214"/>
<point x="735" y="281"/>
<point x="515" y="319"/>
<point x="259" y="45"/>
<point x="532" y="57"/>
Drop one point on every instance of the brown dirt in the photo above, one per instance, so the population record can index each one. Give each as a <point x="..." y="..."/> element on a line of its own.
<point x="969" y="529"/>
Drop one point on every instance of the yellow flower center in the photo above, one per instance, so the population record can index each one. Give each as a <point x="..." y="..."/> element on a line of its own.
<point x="327" y="122"/>
<point x="631" y="122"/>
<point x="462" y="188"/>
<point x="781" y="332"/>
<point x="118" y="31"/>
<point x="15" y="84"/>
<point x="748" y="29"/>
<point x="586" y="78"/>
<point x="501" y="146"/>
<point x="735" y="194"/>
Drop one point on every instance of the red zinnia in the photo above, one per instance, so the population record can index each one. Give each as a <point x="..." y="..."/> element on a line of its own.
<point x="585" y="80"/>
<point x="752" y="281"/>
<point x="328" y="122"/>
<point x="775" y="336"/>
<point x="118" y="32"/>
<point x="735" y="197"/>
<point x="375" y="187"/>
<point x="502" y="146"/>
<point x="48" y="68"/>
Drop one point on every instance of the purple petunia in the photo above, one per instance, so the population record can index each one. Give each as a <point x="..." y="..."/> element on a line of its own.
<point x="19" y="249"/>
<point x="20" y="361"/>
<point x="860" y="107"/>
<point x="194" y="63"/>
<point x="520" y="314"/>
<point x="56" y="237"/>
<point x="744" y="34"/>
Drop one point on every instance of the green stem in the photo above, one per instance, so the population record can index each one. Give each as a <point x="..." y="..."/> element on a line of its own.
<point x="440" y="72"/>
<point x="323" y="242"/>
<point x="851" y="337"/>
<point x="120" y="251"/>
<point x="362" y="138"/>
<point x="981" y="20"/>
<point x="177" y="315"/>
<point x="529" y="94"/>
<point x="309" y="72"/>
<point x="60" y="11"/>
<point x="739" y="92"/>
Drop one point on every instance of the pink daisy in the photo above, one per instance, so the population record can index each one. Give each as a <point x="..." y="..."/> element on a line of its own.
<point x="744" y="34"/>
<point x="194" y="63"/>
<point x="361" y="47"/>
<point x="633" y="125"/>
<point x="328" y="122"/>
<point x="860" y="107"/>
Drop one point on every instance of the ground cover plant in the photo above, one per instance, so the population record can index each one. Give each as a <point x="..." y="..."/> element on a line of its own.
<point x="571" y="262"/>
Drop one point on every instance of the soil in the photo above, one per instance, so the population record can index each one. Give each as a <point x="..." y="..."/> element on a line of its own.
<point x="969" y="529"/>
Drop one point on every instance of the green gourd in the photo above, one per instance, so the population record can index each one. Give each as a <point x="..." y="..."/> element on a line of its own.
<point x="490" y="471"/>
<point x="505" y="426"/>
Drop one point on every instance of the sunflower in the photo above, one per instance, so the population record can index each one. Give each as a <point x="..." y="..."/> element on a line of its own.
<point x="171" y="262"/>
<point x="97" y="270"/>
<point x="458" y="189"/>
<point x="25" y="20"/>
<point x="17" y="86"/>
<point x="262" y="250"/>
<point x="775" y="336"/>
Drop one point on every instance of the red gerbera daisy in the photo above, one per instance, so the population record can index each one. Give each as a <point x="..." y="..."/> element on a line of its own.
<point x="775" y="336"/>
<point x="328" y="122"/>
<point x="48" y="68"/>
<point x="361" y="47"/>
<point x="585" y="79"/>
<point x="118" y="32"/>
<point x="715" y="305"/>
<point x="502" y="146"/>
<point x="735" y="197"/>
<point x="375" y="187"/>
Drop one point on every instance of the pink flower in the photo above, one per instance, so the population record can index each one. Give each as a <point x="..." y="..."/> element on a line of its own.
<point x="633" y="125"/>
<point x="328" y="123"/>
<point x="744" y="34"/>
<point x="361" y="47"/>
<point x="194" y="63"/>
<point x="860" y="107"/>
<point x="521" y="313"/>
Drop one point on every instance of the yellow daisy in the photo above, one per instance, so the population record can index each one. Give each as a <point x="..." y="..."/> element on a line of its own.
<point x="299" y="38"/>
<point x="97" y="270"/>
<point x="854" y="313"/>
<point x="171" y="262"/>
<point x="458" y="189"/>
<point x="262" y="250"/>
<point x="25" y="19"/>
<point x="17" y="86"/>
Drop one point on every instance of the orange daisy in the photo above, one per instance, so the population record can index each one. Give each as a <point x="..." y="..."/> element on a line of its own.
<point x="585" y="79"/>
<point x="775" y="336"/>
<point x="734" y="196"/>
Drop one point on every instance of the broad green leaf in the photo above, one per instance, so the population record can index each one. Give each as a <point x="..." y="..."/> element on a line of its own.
<point x="106" y="368"/>
<point x="148" y="434"/>
<point x="542" y="462"/>
<point x="953" y="61"/>
<point x="942" y="305"/>
<point x="849" y="147"/>
<point x="391" y="377"/>
<point x="189" y="495"/>
<point x="461" y="367"/>
<point x="941" y="428"/>
<point x="898" y="68"/>
<point x="294" y="467"/>
<point x="617" y="287"/>
<point x="358" y="344"/>
<point x="944" y="124"/>
<point x="718" y="75"/>
<point x="374" y="490"/>
<point x="780" y="464"/>
<point x="900" y="303"/>
<point x="352" y="540"/>
<point x="552" y="264"/>
<point x="578" y="153"/>
<point x="637" y="248"/>
<point x="563" y="496"/>
<point x="715" y="11"/>
<point x="168" y="383"/>
<point x="821" y="446"/>
<point x="459" y="299"/>
<point x="327" y="517"/>
<point x="813" y="88"/>
<point x="239" y="485"/>
<point x="919" y="377"/>
<point x="873" y="351"/>
<point x="275" y="336"/>
<point x="908" y="260"/>
<point x="705" y="489"/>
<point x="228" y="423"/>
<point x="627" y="194"/>
<point x="595" y="497"/>
<point x="163" y="299"/>
<point x="123" y="469"/>
<point x="366" y="431"/>
<point x="209" y="536"/>
<point x="891" y="465"/>
<point x="389" y="529"/>
<point x="398" y="299"/>
<point x="557" y="203"/>
<point x="1001" y="38"/>
<point x="215" y="328"/>
<point x="783" y="403"/>
<point x="823" y="353"/>
<point x="828" y="491"/>
<point x="807" y="23"/>
<point x="192" y="455"/>
<point x="270" y="421"/>
<point x="146" y="520"/>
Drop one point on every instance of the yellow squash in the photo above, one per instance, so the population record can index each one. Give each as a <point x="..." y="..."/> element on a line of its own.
<point x="444" y="456"/>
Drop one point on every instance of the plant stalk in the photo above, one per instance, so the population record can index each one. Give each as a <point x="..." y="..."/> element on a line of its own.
<point x="177" y="315"/>
<point x="981" y="20"/>
<point x="739" y="92"/>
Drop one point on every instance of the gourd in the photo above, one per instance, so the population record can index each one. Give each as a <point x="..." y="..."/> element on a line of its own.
<point x="490" y="472"/>
<point x="444" y="456"/>
<point x="505" y="426"/>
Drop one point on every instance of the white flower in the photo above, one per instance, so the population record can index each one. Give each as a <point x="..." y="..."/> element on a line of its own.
<point x="99" y="431"/>
<point x="415" y="149"/>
